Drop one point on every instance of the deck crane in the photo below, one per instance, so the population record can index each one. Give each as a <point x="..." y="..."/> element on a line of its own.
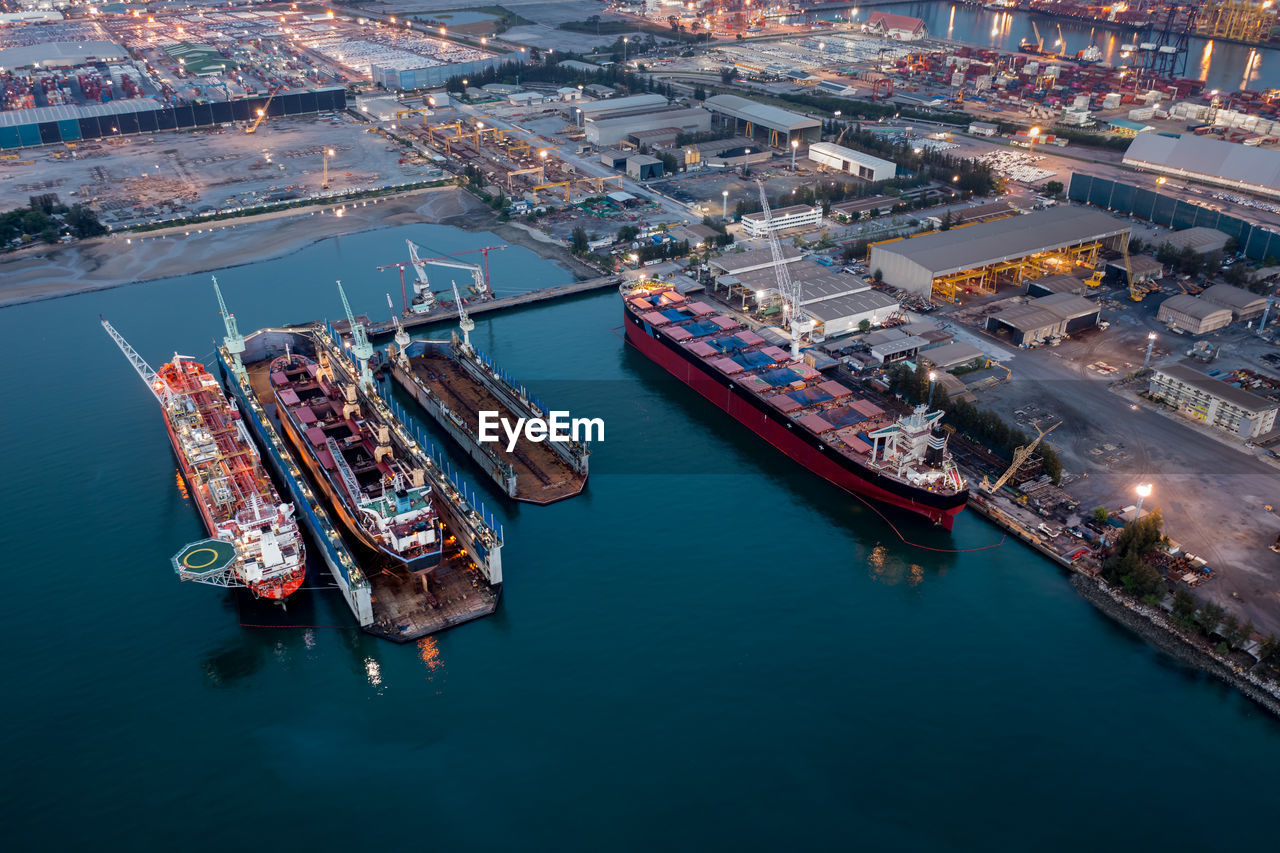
<point x="360" y="346"/>
<point x="401" y="336"/>
<point x="800" y="322"/>
<point x="155" y="384"/>
<point x="465" y="323"/>
<point x="1019" y="456"/>
<point x="233" y="340"/>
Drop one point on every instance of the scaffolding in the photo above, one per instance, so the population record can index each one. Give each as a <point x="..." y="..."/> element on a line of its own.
<point x="1242" y="20"/>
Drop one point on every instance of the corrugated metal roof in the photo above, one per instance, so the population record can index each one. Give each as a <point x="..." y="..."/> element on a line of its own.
<point x="1234" y="297"/>
<point x="973" y="246"/>
<point x="1238" y="396"/>
<point x="864" y="159"/>
<point x="1244" y="163"/>
<point x="16" y="118"/>
<point x="770" y="116"/>
<point x="850" y="305"/>
<point x="1193" y="306"/>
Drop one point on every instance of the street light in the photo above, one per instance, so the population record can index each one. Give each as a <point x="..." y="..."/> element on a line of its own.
<point x="1032" y="135"/>
<point x="625" y="41"/>
<point x="1151" y="342"/>
<point x="1144" y="491"/>
<point x="724" y="210"/>
<point x="328" y="152"/>
<point x="795" y="143"/>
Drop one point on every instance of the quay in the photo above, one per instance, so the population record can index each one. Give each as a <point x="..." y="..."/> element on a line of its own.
<point x="444" y="312"/>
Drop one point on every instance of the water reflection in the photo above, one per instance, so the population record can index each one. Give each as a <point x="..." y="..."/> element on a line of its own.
<point x="893" y="569"/>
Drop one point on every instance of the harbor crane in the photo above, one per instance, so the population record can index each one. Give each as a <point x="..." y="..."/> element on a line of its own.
<point x="155" y="384"/>
<point x="361" y="348"/>
<point x="233" y="340"/>
<point x="801" y="323"/>
<point x="465" y="323"/>
<point x="401" y="337"/>
<point x="483" y="285"/>
<point x="1020" y="455"/>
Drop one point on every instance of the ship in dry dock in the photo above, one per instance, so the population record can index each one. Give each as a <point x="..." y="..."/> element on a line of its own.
<point x="453" y="383"/>
<point x="822" y="423"/>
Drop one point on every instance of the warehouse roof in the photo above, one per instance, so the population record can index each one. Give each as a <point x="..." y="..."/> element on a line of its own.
<point x="1247" y="164"/>
<point x="1234" y="297"/>
<point x="1068" y="306"/>
<point x="1027" y="317"/>
<point x="761" y="114"/>
<point x="832" y="150"/>
<point x="735" y="263"/>
<point x="1236" y="396"/>
<point x="15" y="118"/>
<point x="60" y="53"/>
<point x="1058" y="283"/>
<point x="960" y="249"/>
<point x="815" y="284"/>
<point x="1200" y="239"/>
<point x="1193" y="306"/>
<point x="592" y="109"/>
<point x="851" y="305"/>
<point x="950" y="355"/>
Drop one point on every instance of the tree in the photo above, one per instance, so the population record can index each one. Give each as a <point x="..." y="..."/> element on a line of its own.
<point x="947" y="220"/>
<point x="1100" y="515"/>
<point x="864" y="325"/>
<point x="49" y="234"/>
<point x="727" y="74"/>
<point x="1053" y="188"/>
<point x="578" y="241"/>
<point x="1209" y="617"/>
<point x="1184" y="605"/>
<point x="699" y="93"/>
<point x="627" y="233"/>
<point x="878" y="275"/>
<point x="670" y="165"/>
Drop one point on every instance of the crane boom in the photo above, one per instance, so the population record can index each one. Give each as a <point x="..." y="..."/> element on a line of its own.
<point x="154" y="383"/>
<point x="465" y="323"/>
<point x="361" y="348"/>
<point x="233" y="340"/>
<point x="1020" y="455"/>
<point x="788" y="290"/>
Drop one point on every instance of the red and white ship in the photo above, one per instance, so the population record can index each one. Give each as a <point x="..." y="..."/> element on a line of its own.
<point x="256" y="541"/>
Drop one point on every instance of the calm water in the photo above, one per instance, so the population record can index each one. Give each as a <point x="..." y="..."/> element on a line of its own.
<point x="1222" y="65"/>
<point x="707" y="649"/>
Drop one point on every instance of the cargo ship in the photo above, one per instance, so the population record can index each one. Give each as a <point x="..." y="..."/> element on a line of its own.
<point x="256" y="543"/>
<point x="820" y="423"/>
<point x="453" y="382"/>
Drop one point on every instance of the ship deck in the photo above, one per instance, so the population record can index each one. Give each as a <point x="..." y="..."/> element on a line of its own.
<point x="542" y="476"/>
<point x="403" y="609"/>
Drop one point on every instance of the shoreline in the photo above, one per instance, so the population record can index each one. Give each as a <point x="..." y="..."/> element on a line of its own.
<point x="54" y="272"/>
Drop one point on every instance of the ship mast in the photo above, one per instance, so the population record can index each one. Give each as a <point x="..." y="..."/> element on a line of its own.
<point x="465" y="323"/>
<point x="154" y="383"/>
<point x="233" y="340"/>
<point x="360" y="346"/>
<point x="788" y="290"/>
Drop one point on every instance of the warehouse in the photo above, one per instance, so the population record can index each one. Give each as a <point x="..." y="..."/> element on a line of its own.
<point x="1193" y="314"/>
<point x="1037" y="320"/>
<point x="1143" y="267"/>
<point x="1244" y="304"/>
<point x="615" y="107"/>
<point x="981" y="257"/>
<point x="953" y="355"/>
<point x="612" y="130"/>
<point x="816" y="283"/>
<point x="978" y="213"/>
<point x="862" y="208"/>
<point x="736" y="263"/>
<point x="1213" y="401"/>
<point x="1052" y="284"/>
<point x="840" y="315"/>
<point x="784" y="218"/>
<point x="1250" y="168"/>
<point x="855" y="163"/>
<point x="1201" y="240"/>
<point x="643" y="167"/>
<point x="770" y="124"/>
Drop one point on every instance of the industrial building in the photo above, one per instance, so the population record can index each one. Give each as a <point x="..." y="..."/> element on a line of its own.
<point x="1193" y="314"/>
<point x="876" y="205"/>
<point x="890" y="345"/>
<point x="1213" y="401"/>
<point x="615" y="128"/>
<point x="776" y="127"/>
<point x="1143" y="268"/>
<point x="1243" y="304"/>
<point x="643" y="167"/>
<point x="614" y="107"/>
<point x="1008" y="251"/>
<point x="976" y="214"/>
<point x="953" y="355"/>
<point x="899" y="27"/>
<point x="1037" y="320"/>
<point x="840" y="315"/>
<point x="1052" y="284"/>
<point x="852" y="162"/>
<point x="1250" y="168"/>
<point x="1201" y="240"/>
<point x="784" y="219"/>
<point x="737" y="263"/>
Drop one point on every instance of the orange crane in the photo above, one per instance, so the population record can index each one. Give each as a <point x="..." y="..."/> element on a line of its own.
<point x="541" y="175"/>
<point x="564" y="184"/>
<point x="262" y="112"/>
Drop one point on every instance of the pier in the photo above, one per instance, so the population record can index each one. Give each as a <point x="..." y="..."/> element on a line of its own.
<point x="446" y="312"/>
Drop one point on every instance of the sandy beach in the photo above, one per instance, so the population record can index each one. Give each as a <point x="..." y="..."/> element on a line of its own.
<point x="50" y="272"/>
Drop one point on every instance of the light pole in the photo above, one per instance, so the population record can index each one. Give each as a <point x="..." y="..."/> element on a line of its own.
<point x="625" y="41"/>
<point x="795" y="143"/>
<point x="933" y="377"/>
<point x="1144" y="491"/>
<point x="724" y="210"/>
<point x="328" y="152"/>
<point x="1151" y="342"/>
<point x="1032" y="135"/>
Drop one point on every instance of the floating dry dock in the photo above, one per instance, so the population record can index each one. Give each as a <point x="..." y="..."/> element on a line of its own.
<point x="387" y="601"/>
<point x="453" y="382"/>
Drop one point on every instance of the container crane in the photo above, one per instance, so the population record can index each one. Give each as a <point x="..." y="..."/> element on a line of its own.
<point x="801" y="324"/>
<point x="1019" y="456"/>
<point x="233" y="340"/>
<point x="361" y="348"/>
<point x="465" y="323"/>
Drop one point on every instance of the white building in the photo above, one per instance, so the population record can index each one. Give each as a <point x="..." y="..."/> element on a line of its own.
<point x="1214" y="401"/>
<point x="983" y="128"/>
<point x="853" y="162"/>
<point x="1193" y="314"/>
<point x="784" y="218"/>
<point x="901" y="27"/>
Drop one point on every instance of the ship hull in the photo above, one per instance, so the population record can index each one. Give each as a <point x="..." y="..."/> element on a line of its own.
<point x="422" y="563"/>
<point x="808" y="451"/>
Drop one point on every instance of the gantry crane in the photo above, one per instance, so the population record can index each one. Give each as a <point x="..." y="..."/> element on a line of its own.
<point x="1020" y="455"/>
<point x="154" y="383"/>
<point x="801" y="323"/>
<point x="233" y="341"/>
<point x="541" y="172"/>
<point x="564" y="184"/>
<point x="600" y="183"/>
<point x="361" y="348"/>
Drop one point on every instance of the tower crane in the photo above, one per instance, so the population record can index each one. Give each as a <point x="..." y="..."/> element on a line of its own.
<point x="155" y="384"/>
<point x="360" y="346"/>
<point x="465" y="323"/>
<point x="233" y="340"/>
<point x="1020" y="455"/>
<point x="801" y="323"/>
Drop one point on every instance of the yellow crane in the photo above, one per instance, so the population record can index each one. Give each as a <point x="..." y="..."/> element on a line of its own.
<point x="564" y="184"/>
<point x="1094" y="280"/>
<point x="1019" y="456"/>
<point x="262" y="112"/>
<point x="600" y="183"/>
<point x="538" y="169"/>
<point x="1136" y="290"/>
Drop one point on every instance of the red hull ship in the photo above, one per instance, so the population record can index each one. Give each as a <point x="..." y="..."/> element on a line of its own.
<point x="255" y="540"/>
<point x="821" y="424"/>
